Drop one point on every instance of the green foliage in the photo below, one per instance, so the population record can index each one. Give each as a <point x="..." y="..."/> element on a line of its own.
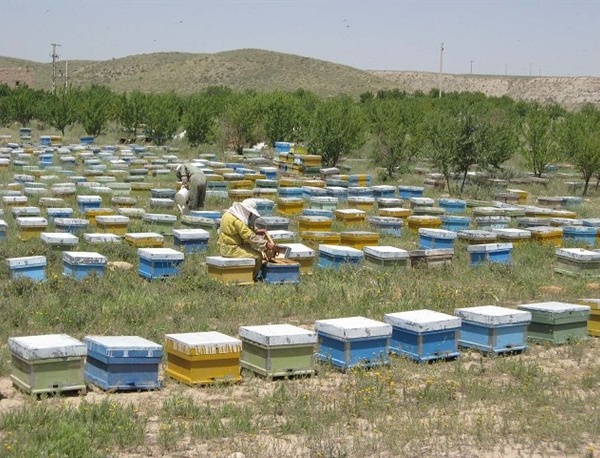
<point x="95" y="109"/>
<point x="163" y="117"/>
<point x="241" y="123"/>
<point x="285" y="117"/>
<point x="62" y="109"/>
<point x="21" y="103"/>
<point x="200" y="114"/>
<point x="132" y="110"/>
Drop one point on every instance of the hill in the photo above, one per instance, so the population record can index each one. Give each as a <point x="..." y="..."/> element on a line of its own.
<point x="186" y="73"/>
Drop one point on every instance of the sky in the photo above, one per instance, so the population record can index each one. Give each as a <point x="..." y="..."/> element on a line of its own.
<point x="518" y="37"/>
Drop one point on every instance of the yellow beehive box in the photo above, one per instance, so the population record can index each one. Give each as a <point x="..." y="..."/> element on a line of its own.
<point x="141" y="187"/>
<point x="359" y="239"/>
<point x="56" y="140"/>
<point x="254" y="176"/>
<point x="290" y="206"/>
<point x="14" y="186"/>
<point x="563" y="214"/>
<point x="302" y="254"/>
<point x="112" y="224"/>
<point x="201" y="358"/>
<point x="350" y="215"/>
<point x="91" y="213"/>
<point x="238" y="195"/>
<point x="314" y="183"/>
<point x="547" y="234"/>
<point x="31" y="227"/>
<point x="310" y="160"/>
<point x="593" y="324"/>
<point x="290" y="182"/>
<point x="314" y="223"/>
<point x="415" y="222"/>
<point x="238" y="271"/>
<point x="363" y="203"/>
<point x="14" y="201"/>
<point x="224" y="170"/>
<point x="315" y="238"/>
<point x="144" y="239"/>
<point x="522" y="194"/>
<point x="396" y="212"/>
<point x="240" y="184"/>
<point x="214" y="177"/>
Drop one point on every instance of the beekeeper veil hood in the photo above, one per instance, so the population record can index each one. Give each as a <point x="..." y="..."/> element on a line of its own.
<point x="243" y="210"/>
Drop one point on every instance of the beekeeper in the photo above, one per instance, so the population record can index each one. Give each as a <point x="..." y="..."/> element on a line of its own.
<point x="237" y="236"/>
<point x="193" y="187"/>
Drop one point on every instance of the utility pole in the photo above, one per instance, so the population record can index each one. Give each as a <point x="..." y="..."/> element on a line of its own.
<point x="529" y="68"/>
<point x="472" y="66"/>
<point x="66" y="76"/>
<point x="54" y="56"/>
<point x="441" y="67"/>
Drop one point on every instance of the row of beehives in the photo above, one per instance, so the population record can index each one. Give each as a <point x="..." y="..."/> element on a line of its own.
<point x="51" y="363"/>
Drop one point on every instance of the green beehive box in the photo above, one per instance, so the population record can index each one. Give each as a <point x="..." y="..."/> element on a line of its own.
<point x="277" y="350"/>
<point x="556" y="322"/>
<point x="48" y="363"/>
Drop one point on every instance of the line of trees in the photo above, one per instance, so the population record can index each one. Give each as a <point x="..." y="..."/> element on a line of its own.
<point x="456" y="134"/>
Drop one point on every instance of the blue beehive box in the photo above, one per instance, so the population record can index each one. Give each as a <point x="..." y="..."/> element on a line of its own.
<point x="162" y="193"/>
<point x="317" y="212"/>
<point x="389" y="202"/>
<point x="580" y="235"/>
<point x="191" y="240"/>
<point x="272" y="223"/>
<point x="335" y="256"/>
<point x="80" y="264"/>
<point x="490" y="252"/>
<point x="32" y="267"/>
<point x="493" y="329"/>
<point x="291" y="192"/>
<point x="275" y="273"/>
<point x="158" y="263"/>
<point x="264" y="207"/>
<point x="72" y="225"/>
<point x="424" y="335"/>
<point x="269" y="172"/>
<point x="339" y="192"/>
<point x="360" y="191"/>
<point x="58" y="212"/>
<point x="387" y="225"/>
<point x="406" y="192"/>
<point x="212" y="214"/>
<point x="435" y="238"/>
<point x="487" y="223"/>
<point x="86" y="203"/>
<point x="384" y="191"/>
<point x="452" y="205"/>
<point x="122" y="362"/>
<point x="455" y="223"/>
<point x="354" y="341"/>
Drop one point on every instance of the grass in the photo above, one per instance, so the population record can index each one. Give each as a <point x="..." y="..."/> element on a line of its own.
<point x="543" y="401"/>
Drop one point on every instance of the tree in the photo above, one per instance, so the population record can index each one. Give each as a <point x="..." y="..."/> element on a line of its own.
<point x="240" y="123"/>
<point x="132" y="110"/>
<point x="538" y="139"/>
<point x="337" y="127"/>
<point x="164" y="112"/>
<point x="439" y="146"/>
<point x="95" y="109"/>
<point x="582" y="142"/>
<point x="22" y="102"/>
<point x="62" y="109"/>
<point x="199" y="119"/>
<point x="285" y="119"/>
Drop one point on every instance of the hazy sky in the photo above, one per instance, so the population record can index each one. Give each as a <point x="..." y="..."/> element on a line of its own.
<point x="516" y="37"/>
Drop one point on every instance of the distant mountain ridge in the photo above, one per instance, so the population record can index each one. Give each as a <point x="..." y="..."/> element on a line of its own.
<point x="262" y="70"/>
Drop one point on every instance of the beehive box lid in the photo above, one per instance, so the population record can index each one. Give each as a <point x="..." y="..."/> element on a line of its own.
<point x="83" y="257"/>
<point x="492" y="219"/>
<point x="26" y="211"/>
<point x="144" y="235"/>
<point x="511" y="233"/>
<point x="361" y="199"/>
<point x="71" y="222"/>
<point x="119" y="346"/>
<point x="32" y="221"/>
<point x="411" y="188"/>
<point x="446" y="201"/>
<point x="422" y="320"/>
<point x="59" y="238"/>
<point x="191" y="234"/>
<point x="208" y="343"/>
<point x="422" y="201"/>
<point x="271" y="220"/>
<point x="423" y="218"/>
<point x="594" y="222"/>
<point x="489" y="247"/>
<point x="160" y="254"/>
<point x="437" y="233"/>
<point x="278" y="334"/>
<point x="493" y="315"/>
<point x="433" y="253"/>
<point x="471" y="234"/>
<point x="132" y="211"/>
<point x="299" y="250"/>
<point x="340" y="250"/>
<point x="359" y="234"/>
<point x="314" y="219"/>
<point x="101" y="238"/>
<point x="455" y="219"/>
<point x="385" y="221"/>
<point x="593" y="303"/>
<point x="159" y="217"/>
<point x="554" y="307"/>
<point x="31" y="348"/>
<point x="383" y="187"/>
<point x="390" y="201"/>
<point x="26" y="261"/>
<point x="281" y="234"/>
<point x="220" y="261"/>
<point x="386" y="252"/>
<point x="577" y="254"/>
<point x="89" y="199"/>
<point x="349" y="211"/>
<point x="583" y="230"/>
<point x="59" y="211"/>
<point x="356" y="327"/>
<point x="212" y="214"/>
<point x="112" y="219"/>
<point x="545" y="231"/>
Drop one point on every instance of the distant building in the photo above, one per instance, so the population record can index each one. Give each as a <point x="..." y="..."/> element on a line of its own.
<point x="17" y="76"/>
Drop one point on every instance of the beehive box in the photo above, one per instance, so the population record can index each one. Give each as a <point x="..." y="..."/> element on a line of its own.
<point x="547" y="235"/>
<point x="14" y="201"/>
<point x="318" y="212"/>
<point x="51" y="363"/>
<point x="387" y="257"/>
<point x="514" y="236"/>
<point x="191" y="240"/>
<point x="86" y="203"/>
<point x="71" y="225"/>
<point x="522" y="195"/>
<point x="113" y="224"/>
<point x="593" y="324"/>
<point x="282" y="236"/>
<point x="290" y="206"/>
<point x="562" y="222"/>
<point x="396" y="212"/>
<point x="415" y="202"/>
<point x="101" y="238"/>
<point x="359" y="239"/>
<point x="291" y="192"/>
<point x="389" y="202"/>
<point x="271" y="223"/>
<point x="455" y="223"/>
<point x="436" y="258"/>
<point x="231" y="270"/>
<point x="3" y="229"/>
<point x="488" y="223"/>
<point x="363" y="203"/>
<point x="314" y="223"/>
<point x="32" y="267"/>
<point x="31" y="227"/>
<point x="315" y="238"/>
<point x="123" y="201"/>
<point x="490" y="252"/>
<point x="201" y="358"/>
<point x="162" y="223"/>
<point x="157" y="263"/>
<point x="302" y="254"/>
<point x="277" y="350"/>
<point x="131" y="212"/>
<point x="145" y="239"/>
<point x="549" y="201"/>
<point x="415" y="222"/>
<point x="452" y="205"/>
<point x="527" y="222"/>
<point x="475" y="237"/>
<point x="436" y="238"/>
<point x="122" y="362"/>
<point x="280" y="272"/>
<point x="406" y="192"/>
<point x="387" y="225"/>
<point x="556" y="322"/>
<point x="81" y="264"/>
<point x="25" y="211"/>
<point x="579" y="235"/>
<point x="58" y="212"/>
<point x="350" y="216"/>
<point x="336" y="256"/>
<point x="59" y="240"/>
<point x="493" y="329"/>
<point x="577" y="262"/>
<point x="354" y="341"/>
<point x="384" y="191"/>
<point x="424" y="335"/>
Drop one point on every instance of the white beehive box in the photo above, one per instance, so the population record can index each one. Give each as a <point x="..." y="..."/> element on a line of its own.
<point x="59" y="239"/>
